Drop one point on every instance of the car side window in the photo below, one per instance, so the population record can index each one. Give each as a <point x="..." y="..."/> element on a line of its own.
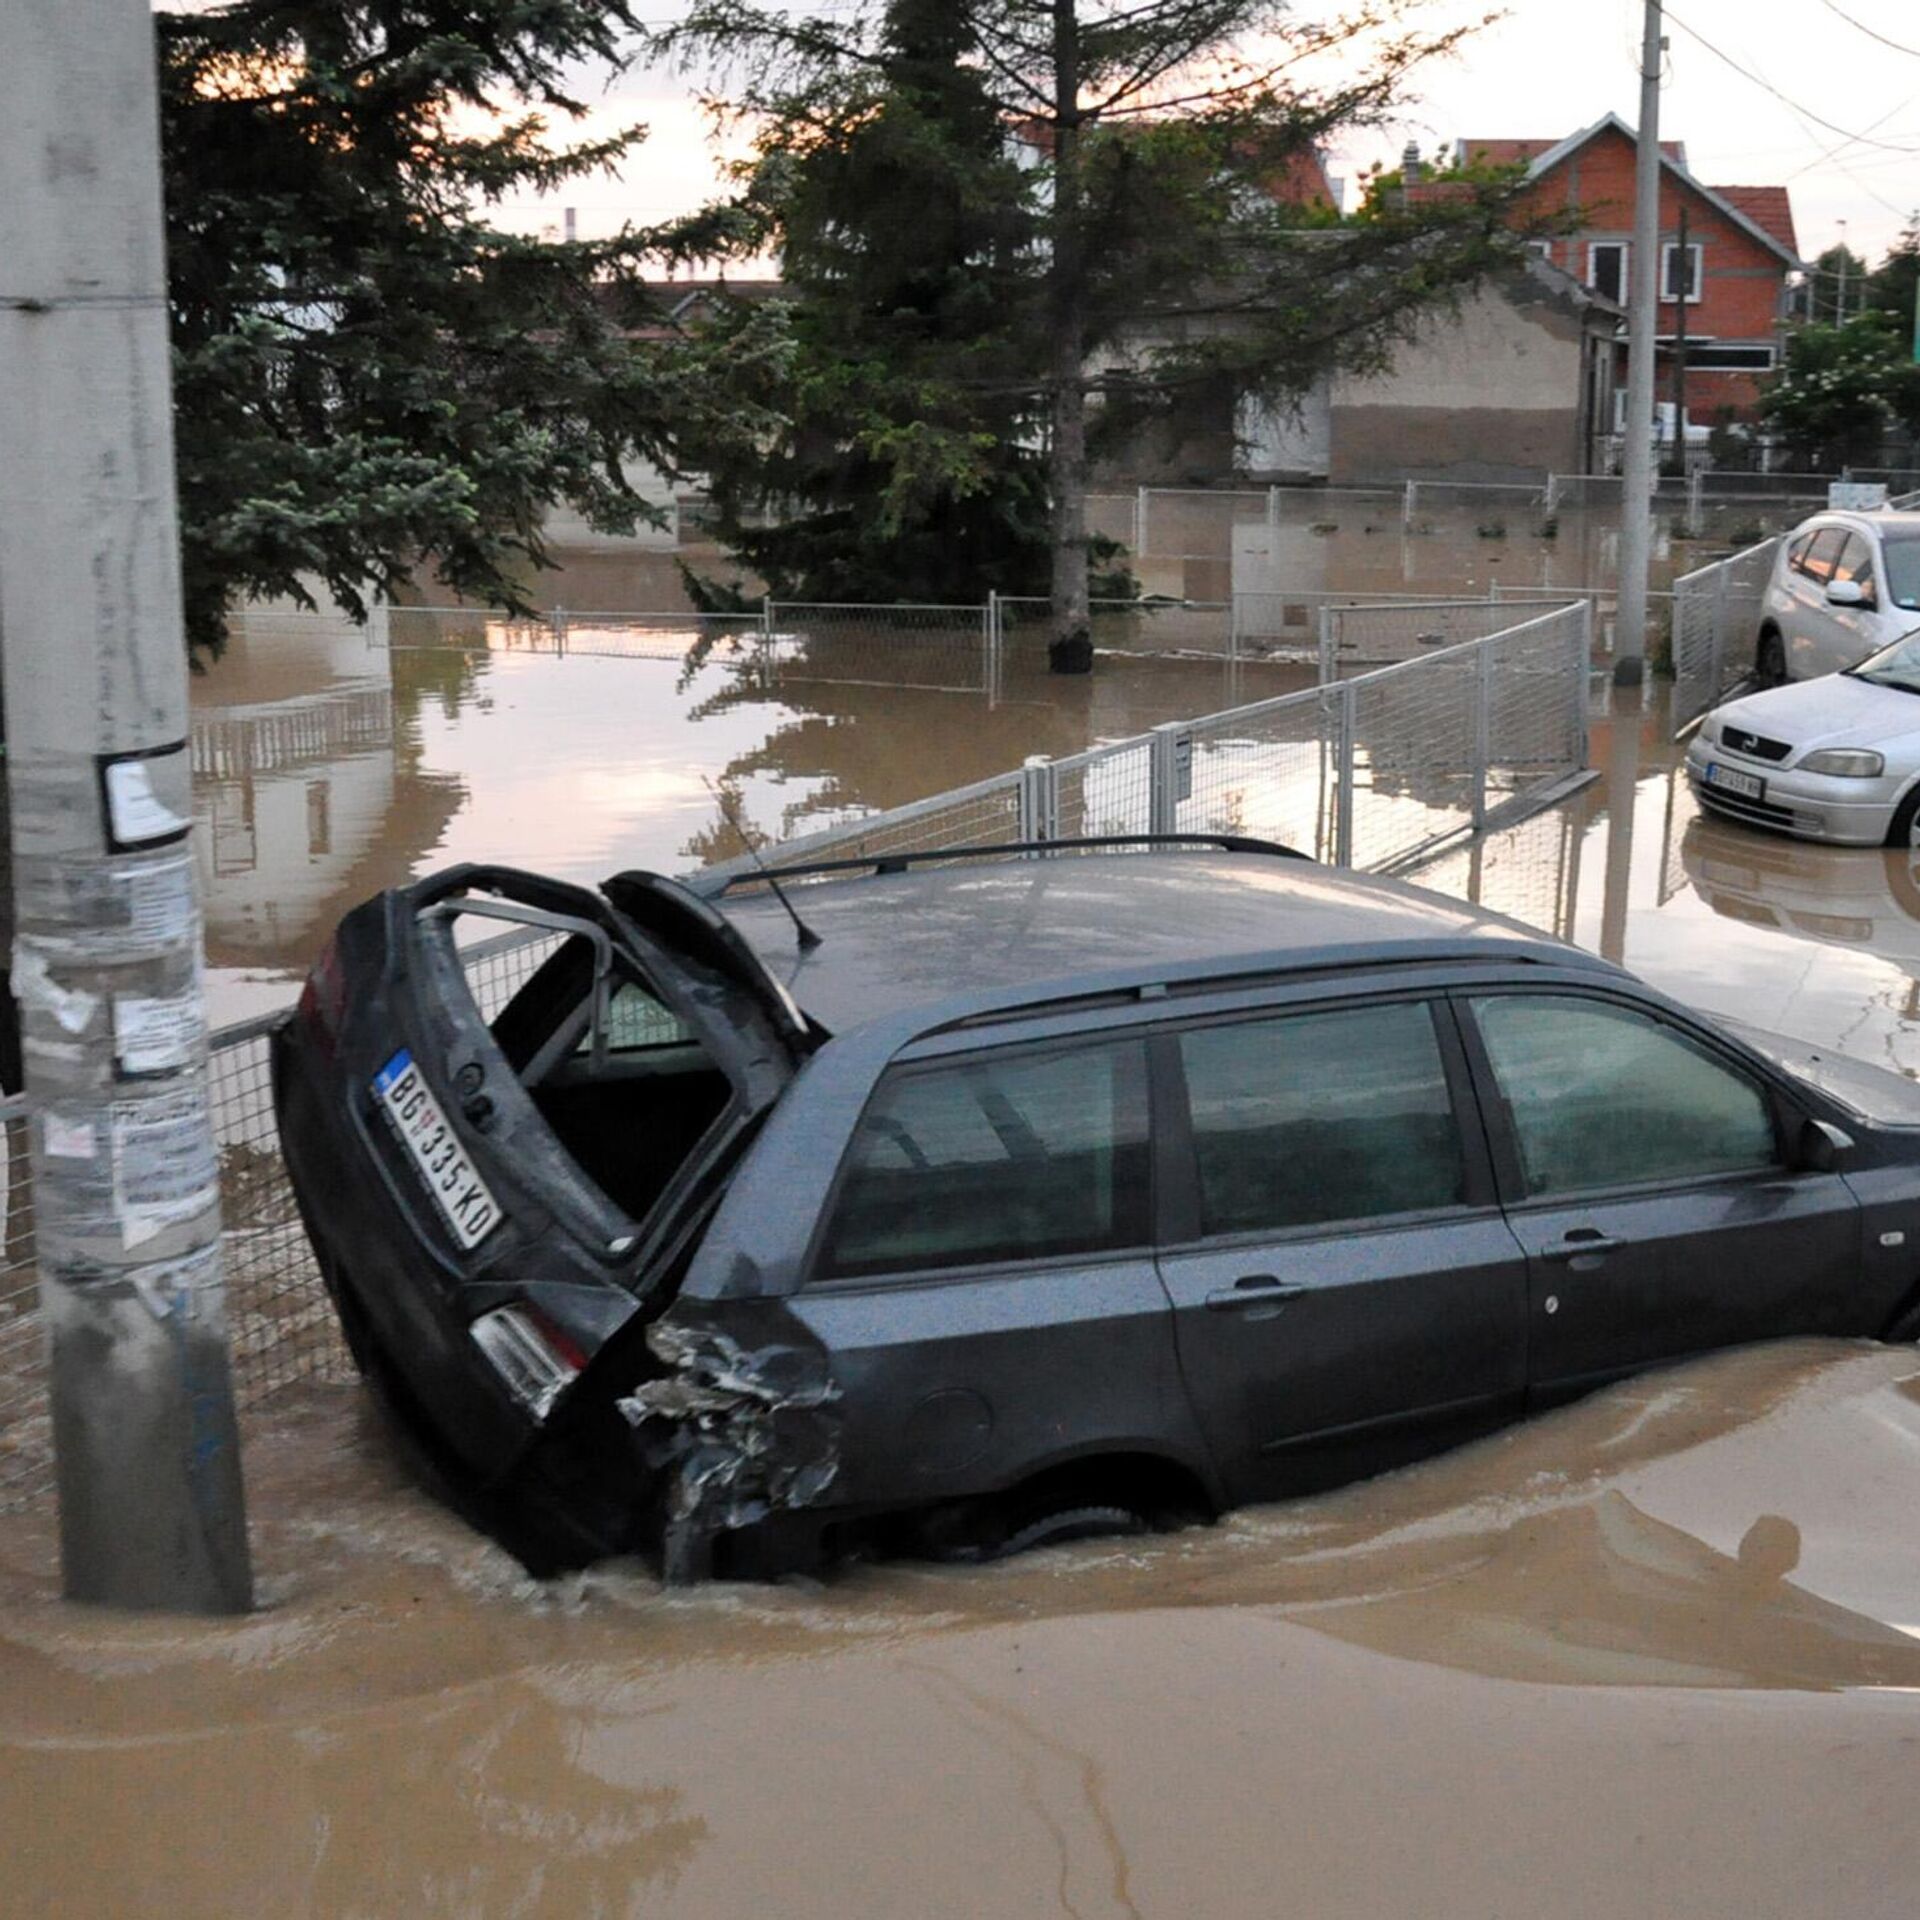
<point x="1822" y="554"/>
<point x="1856" y="564"/>
<point x="1797" y="551"/>
<point x="1602" y="1096"/>
<point x="1005" y="1157"/>
<point x="1311" y="1118"/>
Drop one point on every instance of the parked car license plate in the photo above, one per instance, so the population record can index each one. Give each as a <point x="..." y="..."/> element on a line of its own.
<point x="464" y="1200"/>
<point x="1748" y="786"/>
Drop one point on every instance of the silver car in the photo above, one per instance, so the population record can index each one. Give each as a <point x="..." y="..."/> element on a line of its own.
<point x="1837" y="758"/>
<point x="1843" y="585"/>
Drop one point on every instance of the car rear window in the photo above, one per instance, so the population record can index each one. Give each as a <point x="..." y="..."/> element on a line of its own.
<point x="1001" y="1158"/>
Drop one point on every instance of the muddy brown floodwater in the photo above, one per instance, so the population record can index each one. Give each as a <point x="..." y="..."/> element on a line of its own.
<point x="1649" y="1655"/>
<point x="1653" y="1654"/>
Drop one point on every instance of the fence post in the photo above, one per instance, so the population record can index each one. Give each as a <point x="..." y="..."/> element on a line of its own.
<point x="991" y="665"/>
<point x="1582" y="669"/>
<point x="1482" y="730"/>
<point x="1343" y="751"/>
<point x="1039" y="799"/>
<point x="1551" y="499"/>
<point x="766" y="643"/>
<point x="1140" y="520"/>
<point x="1273" y="508"/>
<point x="380" y="626"/>
<point x="1696" y="498"/>
<point x="1170" y="775"/>
<point x="1718" y="664"/>
<point x="1329" y="642"/>
<point x="1408" y="503"/>
<point x="557" y="619"/>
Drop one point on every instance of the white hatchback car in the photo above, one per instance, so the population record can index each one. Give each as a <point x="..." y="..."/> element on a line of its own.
<point x="1837" y="758"/>
<point x="1843" y="584"/>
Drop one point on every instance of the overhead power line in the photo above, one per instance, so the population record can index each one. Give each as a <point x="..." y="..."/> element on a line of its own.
<point x="1860" y="26"/>
<point x="1794" y="106"/>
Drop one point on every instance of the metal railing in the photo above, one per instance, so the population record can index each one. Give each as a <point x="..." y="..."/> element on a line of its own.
<point x="1372" y="771"/>
<point x="1716" y="627"/>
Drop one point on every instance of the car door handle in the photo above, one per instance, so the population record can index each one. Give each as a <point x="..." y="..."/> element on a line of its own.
<point x="1253" y="1290"/>
<point x="1581" y="1241"/>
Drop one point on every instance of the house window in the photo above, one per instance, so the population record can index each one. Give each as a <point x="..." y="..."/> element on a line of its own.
<point x="1718" y="359"/>
<point x="1607" y="269"/>
<point x="1680" y="278"/>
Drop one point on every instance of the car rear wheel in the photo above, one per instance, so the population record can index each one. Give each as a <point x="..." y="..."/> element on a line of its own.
<point x="1072" y="1523"/>
<point x="1770" y="658"/>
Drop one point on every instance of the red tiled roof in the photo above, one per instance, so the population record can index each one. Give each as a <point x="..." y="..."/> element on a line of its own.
<point x="1507" y="153"/>
<point x="1769" y="208"/>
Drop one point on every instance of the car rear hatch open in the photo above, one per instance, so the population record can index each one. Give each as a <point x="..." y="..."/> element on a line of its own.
<point x="569" y="1101"/>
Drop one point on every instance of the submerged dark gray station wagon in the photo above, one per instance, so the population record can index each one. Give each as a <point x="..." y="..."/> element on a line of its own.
<point x="1050" y="1191"/>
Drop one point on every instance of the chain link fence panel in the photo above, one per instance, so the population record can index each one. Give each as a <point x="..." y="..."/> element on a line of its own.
<point x="1716" y="628"/>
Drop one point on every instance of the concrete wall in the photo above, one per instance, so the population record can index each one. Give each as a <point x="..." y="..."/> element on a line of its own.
<point x="1492" y="393"/>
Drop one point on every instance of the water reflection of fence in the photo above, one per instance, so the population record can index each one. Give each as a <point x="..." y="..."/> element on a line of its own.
<point x="1716" y="628"/>
<point x="229" y="745"/>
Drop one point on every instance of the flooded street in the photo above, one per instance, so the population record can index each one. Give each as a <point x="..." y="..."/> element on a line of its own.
<point x="1654" y="1653"/>
<point x="1650" y="1654"/>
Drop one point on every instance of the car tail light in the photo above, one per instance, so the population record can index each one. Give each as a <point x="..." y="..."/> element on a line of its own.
<point x="323" y="1000"/>
<point x="535" y="1358"/>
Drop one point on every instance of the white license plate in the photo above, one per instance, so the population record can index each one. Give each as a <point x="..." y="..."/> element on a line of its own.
<point x="468" y="1207"/>
<point x="1748" y="786"/>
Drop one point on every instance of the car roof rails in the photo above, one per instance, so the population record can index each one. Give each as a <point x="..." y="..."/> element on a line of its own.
<point x="884" y="863"/>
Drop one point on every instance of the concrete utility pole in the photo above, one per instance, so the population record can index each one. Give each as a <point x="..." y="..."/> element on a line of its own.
<point x="1636" y="506"/>
<point x="106" y="959"/>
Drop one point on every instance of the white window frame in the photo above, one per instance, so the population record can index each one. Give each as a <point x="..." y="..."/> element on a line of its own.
<point x="1625" y="250"/>
<point x="1696" y="280"/>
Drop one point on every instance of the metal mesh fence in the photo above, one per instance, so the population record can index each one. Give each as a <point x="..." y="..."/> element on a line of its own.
<point x="1264" y="770"/>
<point x="1361" y="637"/>
<point x="1107" y="790"/>
<point x="1535" y="677"/>
<point x="986" y="814"/>
<point x="1716" y="625"/>
<point x="1414" y="756"/>
<point x="26" y="1437"/>
<point x="941" y="648"/>
<point x="1128" y="626"/>
<point x="677" y="637"/>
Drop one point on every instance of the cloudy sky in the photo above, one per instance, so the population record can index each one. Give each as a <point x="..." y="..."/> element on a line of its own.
<point x="1822" y="106"/>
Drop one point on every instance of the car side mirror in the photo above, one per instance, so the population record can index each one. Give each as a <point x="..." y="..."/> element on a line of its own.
<point x="1846" y="593"/>
<point x="1821" y="1146"/>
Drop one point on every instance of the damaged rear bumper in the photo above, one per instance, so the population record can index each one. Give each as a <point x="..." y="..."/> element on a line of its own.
<point x="738" y="1434"/>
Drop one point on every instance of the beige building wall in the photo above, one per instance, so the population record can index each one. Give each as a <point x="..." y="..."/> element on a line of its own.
<point x="1490" y="393"/>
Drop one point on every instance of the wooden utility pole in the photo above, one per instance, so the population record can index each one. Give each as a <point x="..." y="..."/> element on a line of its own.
<point x="1636" y="505"/>
<point x="106" y="953"/>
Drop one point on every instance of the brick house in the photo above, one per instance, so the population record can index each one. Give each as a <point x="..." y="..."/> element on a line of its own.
<point x="1740" y="241"/>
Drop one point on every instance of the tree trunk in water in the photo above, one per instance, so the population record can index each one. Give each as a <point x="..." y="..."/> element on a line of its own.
<point x="1070" y="641"/>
